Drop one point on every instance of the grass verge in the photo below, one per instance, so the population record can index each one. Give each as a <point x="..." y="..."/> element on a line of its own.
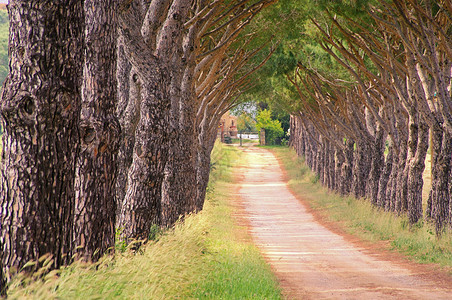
<point x="201" y="258"/>
<point x="244" y="141"/>
<point x="360" y="218"/>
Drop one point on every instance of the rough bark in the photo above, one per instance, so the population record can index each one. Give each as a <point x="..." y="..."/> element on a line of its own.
<point x="319" y="163"/>
<point x="384" y="177"/>
<point x="141" y="207"/>
<point x="177" y="194"/>
<point x="332" y="173"/>
<point x="95" y="203"/>
<point x="187" y="174"/>
<point x="361" y="168"/>
<point x="324" y="168"/>
<point x="40" y="113"/>
<point x="171" y="198"/>
<point x="310" y="152"/>
<point x="436" y="143"/>
<point x="188" y="128"/>
<point x="329" y="162"/>
<point x="302" y="143"/>
<point x="127" y="112"/>
<point x="376" y="165"/>
<point x="3" y="286"/>
<point x="292" y="129"/>
<point x="347" y="169"/>
<point x="440" y="197"/>
<point x="415" y="180"/>
<point x="404" y="162"/>
<point x="400" y="191"/>
<point x="401" y="146"/>
<point x="180" y="190"/>
<point x="392" y="186"/>
<point x="157" y="30"/>
<point x="340" y="161"/>
<point x="128" y="119"/>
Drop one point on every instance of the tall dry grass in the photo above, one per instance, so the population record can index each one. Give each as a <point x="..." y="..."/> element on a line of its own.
<point x="202" y="257"/>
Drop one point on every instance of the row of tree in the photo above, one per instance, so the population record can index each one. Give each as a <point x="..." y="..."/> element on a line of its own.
<point x="367" y="133"/>
<point x="110" y="112"/>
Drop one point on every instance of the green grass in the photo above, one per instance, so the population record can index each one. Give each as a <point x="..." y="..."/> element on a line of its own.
<point x="244" y="141"/>
<point x="360" y="218"/>
<point x="205" y="257"/>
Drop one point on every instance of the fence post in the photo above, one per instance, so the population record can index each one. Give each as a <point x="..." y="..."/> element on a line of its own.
<point x="262" y="137"/>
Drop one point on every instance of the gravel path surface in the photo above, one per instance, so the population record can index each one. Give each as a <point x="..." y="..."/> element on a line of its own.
<point x="311" y="261"/>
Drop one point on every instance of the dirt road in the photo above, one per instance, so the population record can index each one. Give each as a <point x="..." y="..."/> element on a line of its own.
<point x="311" y="261"/>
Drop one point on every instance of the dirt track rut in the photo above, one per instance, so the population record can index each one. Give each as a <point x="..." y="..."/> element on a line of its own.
<point x="310" y="261"/>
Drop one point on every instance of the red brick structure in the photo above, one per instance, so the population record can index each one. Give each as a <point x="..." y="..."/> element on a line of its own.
<point x="227" y="127"/>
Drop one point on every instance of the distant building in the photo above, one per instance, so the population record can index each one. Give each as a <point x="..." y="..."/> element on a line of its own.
<point x="227" y="127"/>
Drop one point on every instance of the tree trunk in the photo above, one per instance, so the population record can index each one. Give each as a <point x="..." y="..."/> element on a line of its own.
<point x="347" y="169"/>
<point x="326" y="163"/>
<point x="298" y="137"/>
<point x="189" y="147"/>
<point x="128" y="119"/>
<point x="169" y="212"/>
<point x="383" y="183"/>
<point x="314" y="150"/>
<point x="170" y="187"/>
<point x="411" y="149"/>
<point x="182" y="191"/>
<point x="340" y="162"/>
<point x="436" y="143"/>
<point x="415" y="180"/>
<point x="302" y="142"/>
<point x="40" y="109"/>
<point x="3" y="285"/>
<point x="206" y="139"/>
<point x="360" y="169"/>
<point x="376" y="165"/>
<point x="319" y="165"/>
<point x="154" y="37"/>
<point x="309" y="153"/>
<point x="401" y="181"/>
<point x="332" y="172"/>
<point x="128" y="114"/>
<point x="440" y="185"/>
<point x="95" y="203"/>
<point x="141" y="207"/>
<point x="392" y="185"/>
<point x="292" y="127"/>
<point x="179" y="196"/>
